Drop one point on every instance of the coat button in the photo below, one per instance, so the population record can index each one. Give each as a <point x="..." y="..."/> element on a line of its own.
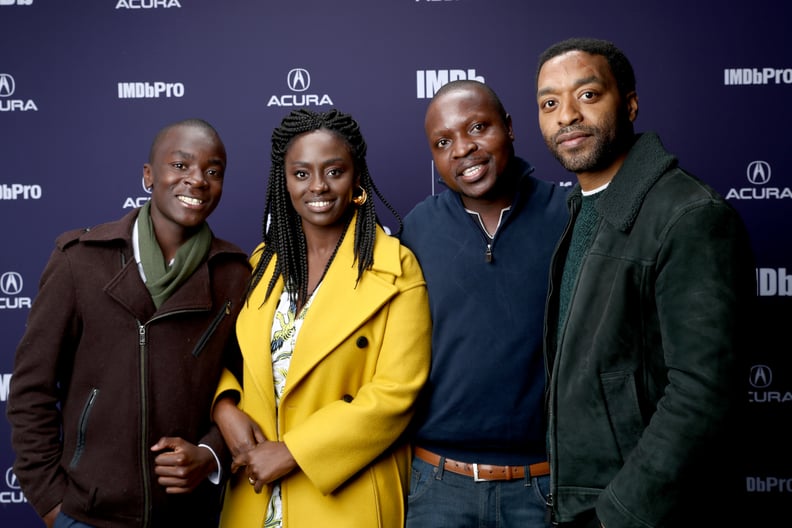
<point x="347" y="398"/>
<point x="361" y="342"/>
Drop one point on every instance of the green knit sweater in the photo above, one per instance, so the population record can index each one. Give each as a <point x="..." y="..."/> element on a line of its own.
<point x="582" y="234"/>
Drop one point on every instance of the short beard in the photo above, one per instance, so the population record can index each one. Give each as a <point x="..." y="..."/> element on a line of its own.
<point x="609" y="141"/>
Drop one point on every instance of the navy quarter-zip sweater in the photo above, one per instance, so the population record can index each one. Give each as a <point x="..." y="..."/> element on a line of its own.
<point x="484" y="399"/>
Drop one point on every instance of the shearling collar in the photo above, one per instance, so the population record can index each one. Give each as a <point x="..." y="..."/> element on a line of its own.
<point x="645" y="163"/>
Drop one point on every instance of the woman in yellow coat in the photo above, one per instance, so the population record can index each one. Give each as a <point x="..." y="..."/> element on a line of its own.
<point x="335" y="342"/>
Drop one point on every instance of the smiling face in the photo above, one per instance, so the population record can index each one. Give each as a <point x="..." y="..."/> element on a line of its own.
<point x="470" y="140"/>
<point x="585" y="121"/>
<point x="320" y="179"/>
<point x="185" y="174"/>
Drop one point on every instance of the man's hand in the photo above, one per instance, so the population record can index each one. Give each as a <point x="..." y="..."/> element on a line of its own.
<point x="182" y="466"/>
<point x="240" y="432"/>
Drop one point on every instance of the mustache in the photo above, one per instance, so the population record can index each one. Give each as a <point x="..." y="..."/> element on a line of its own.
<point x="575" y="128"/>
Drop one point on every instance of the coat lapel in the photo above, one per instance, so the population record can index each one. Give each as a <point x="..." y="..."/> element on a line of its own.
<point x="338" y="309"/>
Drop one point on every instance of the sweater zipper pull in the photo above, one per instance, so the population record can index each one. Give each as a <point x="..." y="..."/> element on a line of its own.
<point x="488" y="253"/>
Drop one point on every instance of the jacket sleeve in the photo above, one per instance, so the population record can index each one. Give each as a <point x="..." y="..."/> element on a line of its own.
<point x="703" y="292"/>
<point x="41" y="370"/>
<point x="355" y="433"/>
<point x="228" y="383"/>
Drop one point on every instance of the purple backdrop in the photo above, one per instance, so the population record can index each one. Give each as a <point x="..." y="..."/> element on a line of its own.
<point x="85" y="85"/>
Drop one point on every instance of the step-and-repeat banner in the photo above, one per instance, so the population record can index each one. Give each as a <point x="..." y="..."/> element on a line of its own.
<point x="84" y="86"/>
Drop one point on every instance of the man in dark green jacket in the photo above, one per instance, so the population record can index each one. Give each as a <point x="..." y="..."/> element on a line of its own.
<point x="650" y="294"/>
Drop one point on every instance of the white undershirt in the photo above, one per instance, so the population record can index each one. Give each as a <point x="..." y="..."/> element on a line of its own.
<point x="595" y="191"/>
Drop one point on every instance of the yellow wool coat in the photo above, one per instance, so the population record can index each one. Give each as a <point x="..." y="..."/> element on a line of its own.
<point x="360" y="360"/>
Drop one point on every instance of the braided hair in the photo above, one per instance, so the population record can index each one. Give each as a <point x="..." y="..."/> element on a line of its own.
<point x="282" y="231"/>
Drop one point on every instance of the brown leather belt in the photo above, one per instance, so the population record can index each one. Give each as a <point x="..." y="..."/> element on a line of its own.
<point x="484" y="472"/>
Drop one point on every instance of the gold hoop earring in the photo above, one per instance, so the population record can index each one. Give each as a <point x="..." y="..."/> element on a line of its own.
<point x="360" y="200"/>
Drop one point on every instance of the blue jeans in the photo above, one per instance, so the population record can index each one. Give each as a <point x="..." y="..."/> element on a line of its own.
<point x="441" y="499"/>
<point x="64" y="521"/>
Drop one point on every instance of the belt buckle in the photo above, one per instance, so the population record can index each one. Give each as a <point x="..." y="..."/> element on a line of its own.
<point x="476" y="477"/>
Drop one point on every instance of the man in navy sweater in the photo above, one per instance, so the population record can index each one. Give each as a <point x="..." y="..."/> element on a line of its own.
<point x="484" y="246"/>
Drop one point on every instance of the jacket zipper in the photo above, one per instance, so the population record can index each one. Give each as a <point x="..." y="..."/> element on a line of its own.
<point x="144" y="452"/>
<point x="224" y="310"/>
<point x="82" y="427"/>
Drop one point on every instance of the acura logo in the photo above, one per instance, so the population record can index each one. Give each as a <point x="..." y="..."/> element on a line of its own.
<point x="6" y="85"/>
<point x="11" y="283"/>
<point x="298" y="79"/>
<point x="758" y="172"/>
<point x="11" y="479"/>
<point x="761" y="376"/>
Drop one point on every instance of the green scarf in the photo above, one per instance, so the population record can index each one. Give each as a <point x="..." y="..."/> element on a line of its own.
<point x="162" y="280"/>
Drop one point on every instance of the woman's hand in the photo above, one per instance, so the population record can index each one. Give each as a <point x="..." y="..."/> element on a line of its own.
<point x="265" y="463"/>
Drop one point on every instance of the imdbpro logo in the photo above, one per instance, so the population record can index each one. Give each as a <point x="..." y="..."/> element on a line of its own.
<point x="298" y="79"/>
<point x="11" y="283"/>
<point x="6" y="85"/>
